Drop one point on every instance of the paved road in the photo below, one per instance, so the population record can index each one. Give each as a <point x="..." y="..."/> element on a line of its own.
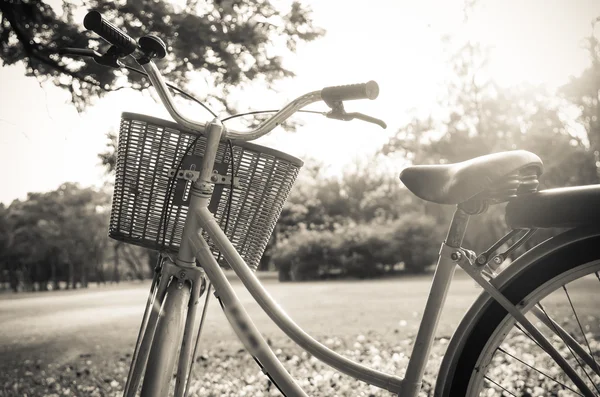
<point x="59" y="327"/>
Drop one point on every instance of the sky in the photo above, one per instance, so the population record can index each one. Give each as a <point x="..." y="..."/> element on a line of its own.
<point x="44" y="142"/>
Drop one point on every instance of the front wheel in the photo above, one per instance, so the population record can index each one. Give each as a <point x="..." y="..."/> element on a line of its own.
<point x="560" y="294"/>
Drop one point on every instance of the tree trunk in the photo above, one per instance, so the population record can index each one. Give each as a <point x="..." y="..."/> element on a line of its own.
<point x="71" y="276"/>
<point x="100" y="273"/>
<point x="27" y="283"/>
<point x="116" y="259"/>
<point x="152" y="260"/>
<point x="84" y="276"/>
<point x="14" y="281"/>
<point x="53" y="278"/>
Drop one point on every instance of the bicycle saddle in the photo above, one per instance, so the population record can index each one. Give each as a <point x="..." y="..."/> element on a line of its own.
<point x="458" y="182"/>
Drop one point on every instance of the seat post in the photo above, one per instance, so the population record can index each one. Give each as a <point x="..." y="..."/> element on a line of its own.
<point x="433" y="308"/>
<point x="457" y="229"/>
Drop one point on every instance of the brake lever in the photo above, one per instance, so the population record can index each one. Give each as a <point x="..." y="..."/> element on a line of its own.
<point x="84" y="52"/>
<point x="341" y="115"/>
<point x="110" y="58"/>
<point x="368" y="119"/>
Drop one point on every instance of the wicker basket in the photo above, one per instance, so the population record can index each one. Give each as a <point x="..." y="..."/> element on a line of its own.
<point x="149" y="148"/>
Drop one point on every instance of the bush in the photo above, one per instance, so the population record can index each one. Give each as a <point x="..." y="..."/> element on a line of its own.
<point x="360" y="250"/>
<point x="304" y="255"/>
<point x="416" y="238"/>
<point x="363" y="251"/>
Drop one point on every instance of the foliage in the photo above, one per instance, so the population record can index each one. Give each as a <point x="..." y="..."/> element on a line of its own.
<point x="359" y="216"/>
<point x="344" y="225"/>
<point x="360" y="250"/>
<point x="584" y="92"/>
<point x="362" y="193"/>
<point x="108" y="158"/>
<point x="479" y="117"/>
<point x="61" y="237"/>
<point x="416" y="237"/>
<point x="301" y="256"/>
<point x="230" y="42"/>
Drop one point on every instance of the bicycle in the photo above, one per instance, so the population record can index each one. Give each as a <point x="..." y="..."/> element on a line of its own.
<point x="206" y="162"/>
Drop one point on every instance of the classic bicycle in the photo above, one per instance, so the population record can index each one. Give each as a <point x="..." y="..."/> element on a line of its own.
<point x="204" y="197"/>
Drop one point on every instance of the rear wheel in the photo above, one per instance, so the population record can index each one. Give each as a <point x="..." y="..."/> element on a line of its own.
<point x="559" y="292"/>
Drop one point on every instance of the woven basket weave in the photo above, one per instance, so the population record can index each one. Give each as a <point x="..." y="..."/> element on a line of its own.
<point x="149" y="148"/>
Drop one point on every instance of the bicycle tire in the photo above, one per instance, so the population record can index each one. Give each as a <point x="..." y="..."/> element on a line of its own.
<point x="166" y="342"/>
<point x="539" y="279"/>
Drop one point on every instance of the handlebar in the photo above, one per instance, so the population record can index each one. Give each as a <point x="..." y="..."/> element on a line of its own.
<point x="95" y="22"/>
<point x="368" y="90"/>
<point x="125" y="45"/>
<point x="228" y="133"/>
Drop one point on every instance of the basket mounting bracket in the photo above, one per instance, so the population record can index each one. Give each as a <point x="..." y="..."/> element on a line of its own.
<point x="218" y="179"/>
<point x="188" y="175"/>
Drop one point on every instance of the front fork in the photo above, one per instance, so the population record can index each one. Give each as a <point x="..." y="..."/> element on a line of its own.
<point x="170" y="309"/>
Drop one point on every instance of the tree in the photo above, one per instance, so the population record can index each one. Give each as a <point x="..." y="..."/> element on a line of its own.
<point x="56" y="235"/>
<point x="61" y="237"/>
<point x="108" y="158"/>
<point x="478" y="117"/>
<point x="360" y="224"/>
<point x="228" y="42"/>
<point x="584" y="92"/>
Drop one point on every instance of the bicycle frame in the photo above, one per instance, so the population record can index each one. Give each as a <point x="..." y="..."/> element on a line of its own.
<point x="416" y="367"/>
<point x="194" y="246"/>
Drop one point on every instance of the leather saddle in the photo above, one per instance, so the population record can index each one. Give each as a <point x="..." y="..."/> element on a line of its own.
<point x="457" y="183"/>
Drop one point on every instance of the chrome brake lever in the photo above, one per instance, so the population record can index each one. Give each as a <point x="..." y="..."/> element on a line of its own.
<point x="341" y="115"/>
<point x="110" y="58"/>
<point x="84" y="52"/>
<point x="368" y="119"/>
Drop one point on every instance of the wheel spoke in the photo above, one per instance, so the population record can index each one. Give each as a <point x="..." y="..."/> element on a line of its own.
<point x="500" y="386"/>
<point x="538" y="371"/>
<point x="518" y="326"/>
<point x="583" y="333"/>
<point x="566" y="337"/>
<point x="568" y="347"/>
<point x="502" y="356"/>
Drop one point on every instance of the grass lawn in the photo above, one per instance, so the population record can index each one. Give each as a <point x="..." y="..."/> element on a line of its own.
<point x="79" y="342"/>
<point x="62" y="325"/>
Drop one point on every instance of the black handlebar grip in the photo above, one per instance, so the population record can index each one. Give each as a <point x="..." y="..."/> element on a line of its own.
<point x="109" y="32"/>
<point x="368" y="90"/>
